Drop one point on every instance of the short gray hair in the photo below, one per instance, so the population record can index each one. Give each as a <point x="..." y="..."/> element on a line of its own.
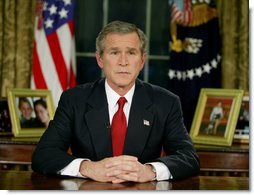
<point x="119" y="27"/>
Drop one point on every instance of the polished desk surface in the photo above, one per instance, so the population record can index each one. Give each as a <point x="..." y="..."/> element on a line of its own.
<point x="28" y="180"/>
<point x="214" y="160"/>
<point x="24" y="147"/>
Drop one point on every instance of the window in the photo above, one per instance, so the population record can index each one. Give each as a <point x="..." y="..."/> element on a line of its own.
<point x="152" y="16"/>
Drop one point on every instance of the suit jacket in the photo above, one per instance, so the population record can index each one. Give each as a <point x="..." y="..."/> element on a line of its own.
<point x="81" y="122"/>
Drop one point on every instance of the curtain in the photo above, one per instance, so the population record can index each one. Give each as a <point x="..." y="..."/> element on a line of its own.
<point x="16" y="43"/>
<point x="17" y="35"/>
<point x="234" y="25"/>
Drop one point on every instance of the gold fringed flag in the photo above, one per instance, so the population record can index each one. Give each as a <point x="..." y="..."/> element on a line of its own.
<point x="195" y="51"/>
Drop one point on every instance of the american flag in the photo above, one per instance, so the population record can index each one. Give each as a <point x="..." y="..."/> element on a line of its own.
<point x="54" y="48"/>
<point x="180" y="11"/>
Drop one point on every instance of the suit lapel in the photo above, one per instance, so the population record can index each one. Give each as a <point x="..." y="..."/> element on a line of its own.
<point x="139" y="125"/>
<point x="140" y="122"/>
<point x="97" y="119"/>
<point x="97" y="122"/>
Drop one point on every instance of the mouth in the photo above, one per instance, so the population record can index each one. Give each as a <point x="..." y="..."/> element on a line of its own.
<point x="123" y="73"/>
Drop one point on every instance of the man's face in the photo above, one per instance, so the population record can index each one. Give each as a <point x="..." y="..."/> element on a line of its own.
<point x="121" y="60"/>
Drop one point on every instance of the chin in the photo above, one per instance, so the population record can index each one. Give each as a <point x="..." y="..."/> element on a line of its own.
<point x="123" y="83"/>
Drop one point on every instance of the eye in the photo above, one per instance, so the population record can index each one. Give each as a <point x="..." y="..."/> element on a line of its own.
<point x="113" y="52"/>
<point x="132" y="52"/>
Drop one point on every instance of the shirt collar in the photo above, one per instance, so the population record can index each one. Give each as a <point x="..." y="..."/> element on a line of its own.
<point x="112" y="96"/>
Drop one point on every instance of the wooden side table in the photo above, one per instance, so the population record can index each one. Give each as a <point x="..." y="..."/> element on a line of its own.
<point x="226" y="161"/>
<point x="16" y="154"/>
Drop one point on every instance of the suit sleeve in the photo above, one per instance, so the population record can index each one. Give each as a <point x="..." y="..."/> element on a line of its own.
<point x="51" y="155"/>
<point x="181" y="159"/>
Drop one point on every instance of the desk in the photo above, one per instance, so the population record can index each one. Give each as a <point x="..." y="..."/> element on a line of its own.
<point x="28" y="180"/>
<point x="214" y="160"/>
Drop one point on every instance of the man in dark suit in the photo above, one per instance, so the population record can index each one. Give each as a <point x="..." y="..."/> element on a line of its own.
<point x="90" y="116"/>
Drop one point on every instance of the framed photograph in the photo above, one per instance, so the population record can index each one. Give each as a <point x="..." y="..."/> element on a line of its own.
<point x="242" y="131"/>
<point x="216" y="116"/>
<point x="30" y="111"/>
<point x="5" y="119"/>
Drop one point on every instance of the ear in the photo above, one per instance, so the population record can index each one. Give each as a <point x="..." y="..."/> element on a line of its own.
<point x="143" y="60"/>
<point x="99" y="60"/>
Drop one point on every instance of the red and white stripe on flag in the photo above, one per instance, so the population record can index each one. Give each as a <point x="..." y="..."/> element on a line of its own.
<point x="54" y="66"/>
<point x="181" y="12"/>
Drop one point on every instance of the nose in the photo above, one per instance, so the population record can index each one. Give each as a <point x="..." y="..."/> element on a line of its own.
<point x="123" y="61"/>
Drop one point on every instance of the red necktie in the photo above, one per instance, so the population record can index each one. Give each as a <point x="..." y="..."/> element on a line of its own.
<point x="119" y="128"/>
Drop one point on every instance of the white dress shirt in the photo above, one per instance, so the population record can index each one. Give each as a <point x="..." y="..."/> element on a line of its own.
<point x="162" y="172"/>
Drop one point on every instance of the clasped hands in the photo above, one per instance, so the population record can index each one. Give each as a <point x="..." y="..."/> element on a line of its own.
<point x="117" y="170"/>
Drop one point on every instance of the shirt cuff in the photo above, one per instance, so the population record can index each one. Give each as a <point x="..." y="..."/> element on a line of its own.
<point x="72" y="169"/>
<point x="162" y="172"/>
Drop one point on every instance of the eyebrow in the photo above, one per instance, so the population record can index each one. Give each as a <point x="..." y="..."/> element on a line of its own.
<point x="129" y="49"/>
<point x="132" y="49"/>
